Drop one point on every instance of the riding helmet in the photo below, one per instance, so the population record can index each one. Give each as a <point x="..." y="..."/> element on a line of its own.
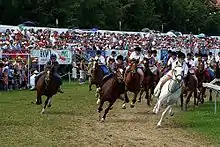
<point x="53" y="56"/>
<point x="120" y="57"/>
<point x="98" y="52"/>
<point x="189" y="54"/>
<point x="173" y="53"/>
<point x="137" y="49"/>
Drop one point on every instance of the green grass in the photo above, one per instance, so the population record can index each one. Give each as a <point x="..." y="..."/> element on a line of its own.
<point x="202" y="120"/>
<point x="21" y="123"/>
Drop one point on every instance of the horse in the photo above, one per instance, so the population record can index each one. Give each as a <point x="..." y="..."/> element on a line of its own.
<point x="47" y="85"/>
<point x="170" y="92"/>
<point x="204" y="77"/>
<point x="189" y="89"/>
<point x="96" y="76"/>
<point x="132" y="83"/>
<point x="110" y="91"/>
<point x="149" y="83"/>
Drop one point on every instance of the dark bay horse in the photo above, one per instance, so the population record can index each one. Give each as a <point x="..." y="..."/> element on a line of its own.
<point x="149" y="83"/>
<point x="110" y="91"/>
<point x="96" y="76"/>
<point x="204" y="77"/>
<point x="132" y="83"/>
<point x="189" y="89"/>
<point x="48" y="86"/>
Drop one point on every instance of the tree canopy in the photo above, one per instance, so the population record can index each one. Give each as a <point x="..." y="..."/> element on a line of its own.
<point x="187" y="16"/>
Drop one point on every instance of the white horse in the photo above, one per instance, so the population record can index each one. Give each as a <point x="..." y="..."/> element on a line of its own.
<point x="170" y="92"/>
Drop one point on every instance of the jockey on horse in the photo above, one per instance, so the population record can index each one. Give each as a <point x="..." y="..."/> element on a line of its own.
<point x="101" y="61"/>
<point x="136" y="55"/>
<point x="168" y="75"/>
<point x="52" y="61"/>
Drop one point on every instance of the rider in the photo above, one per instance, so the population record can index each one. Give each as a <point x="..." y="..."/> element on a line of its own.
<point x="137" y="55"/>
<point x="168" y="76"/>
<point x="52" y="61"/>
<point x="102" y="63"/>
<point x="120" y="63"/>
<point x="112" y="57"/>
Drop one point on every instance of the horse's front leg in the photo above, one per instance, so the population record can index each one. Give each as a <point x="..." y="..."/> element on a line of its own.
<point x="210" y="95"/>
<point x="107" y="110"/>
<point x="141" y="93"/>
<point x="181" y="100"/>
<point x="188" y="99"/>
<point x="126" y="100"/>
<point x="134" y="100"/>
<point x="45" y="105"/>
<point x="49" y="102"/>
<point x="90" y="86"/>
<point x="147" y="96"/>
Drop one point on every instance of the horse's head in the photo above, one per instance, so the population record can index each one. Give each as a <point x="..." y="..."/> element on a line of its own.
<point x="201" y="66"/>
<point x="146" y="63"/>
<point x="120" y="75"/>
<point x="133" y="66"/>
<point x="95" y="64"/>
<point x="178" y="73"/>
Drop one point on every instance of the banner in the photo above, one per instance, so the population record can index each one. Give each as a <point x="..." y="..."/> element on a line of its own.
<point x="63" y="56"/>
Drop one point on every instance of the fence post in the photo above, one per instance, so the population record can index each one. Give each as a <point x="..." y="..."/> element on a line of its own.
<point x="69" y="77"/>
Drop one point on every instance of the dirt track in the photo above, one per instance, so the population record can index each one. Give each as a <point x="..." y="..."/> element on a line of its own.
<point x="135" y="127"/>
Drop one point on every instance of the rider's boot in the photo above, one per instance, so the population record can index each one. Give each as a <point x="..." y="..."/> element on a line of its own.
<point x="60" y="90"/>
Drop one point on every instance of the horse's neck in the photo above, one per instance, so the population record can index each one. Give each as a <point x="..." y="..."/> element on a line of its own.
<point x="173" y="85"/>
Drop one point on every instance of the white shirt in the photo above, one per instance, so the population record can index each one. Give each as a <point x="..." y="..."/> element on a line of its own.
<point x="184" y="66"/>
<point x="136" y="57"/>
<point x="171" y="60"/>
<point x="111" y="58"/>
<point x="210" y="59"/>
<point x="101" y="59"/>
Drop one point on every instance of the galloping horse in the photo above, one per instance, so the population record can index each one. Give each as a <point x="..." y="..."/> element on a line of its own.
<point x="96" y="76"/>
<point x="170" y="92"/>
<point x="149" y="83"/>
<point x="111" y="91"/>
<point x="204" y="77"/>
<point x="189" y="89"/>
<point x="132" y="83"/>
<point x="47" y="85"/>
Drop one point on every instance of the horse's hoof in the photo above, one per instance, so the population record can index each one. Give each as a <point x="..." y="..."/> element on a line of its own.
<point x="43" y="112"/>
<point x="158" y="125"/>
<point x="98" y="101"/>
<point x="123" y="106"/>
<point x="38" y="103"/>
<point x="102" y="119"/>
<point x="171" y="114"/>
<point x="132" y="105"/>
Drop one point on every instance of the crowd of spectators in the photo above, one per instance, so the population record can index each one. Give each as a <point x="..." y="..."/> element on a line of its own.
<point x="29" y="38"/>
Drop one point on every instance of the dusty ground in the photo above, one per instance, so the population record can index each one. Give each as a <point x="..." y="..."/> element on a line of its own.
<point x="135" y="127"/>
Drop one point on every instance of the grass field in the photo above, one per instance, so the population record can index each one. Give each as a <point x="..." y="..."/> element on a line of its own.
<point x="73" y="121"/>
<point x="203" y="121"/>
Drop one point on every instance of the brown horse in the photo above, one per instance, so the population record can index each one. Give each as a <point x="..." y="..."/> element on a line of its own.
<point x="46" y="85"/>
<point x="204" y="77"/>
<point x="132" y="83"/>
<point x="149" y="83"/>
<point x="111" y="91"/>
<point x="189" y="89"/>
<point x="96" y="76"/>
